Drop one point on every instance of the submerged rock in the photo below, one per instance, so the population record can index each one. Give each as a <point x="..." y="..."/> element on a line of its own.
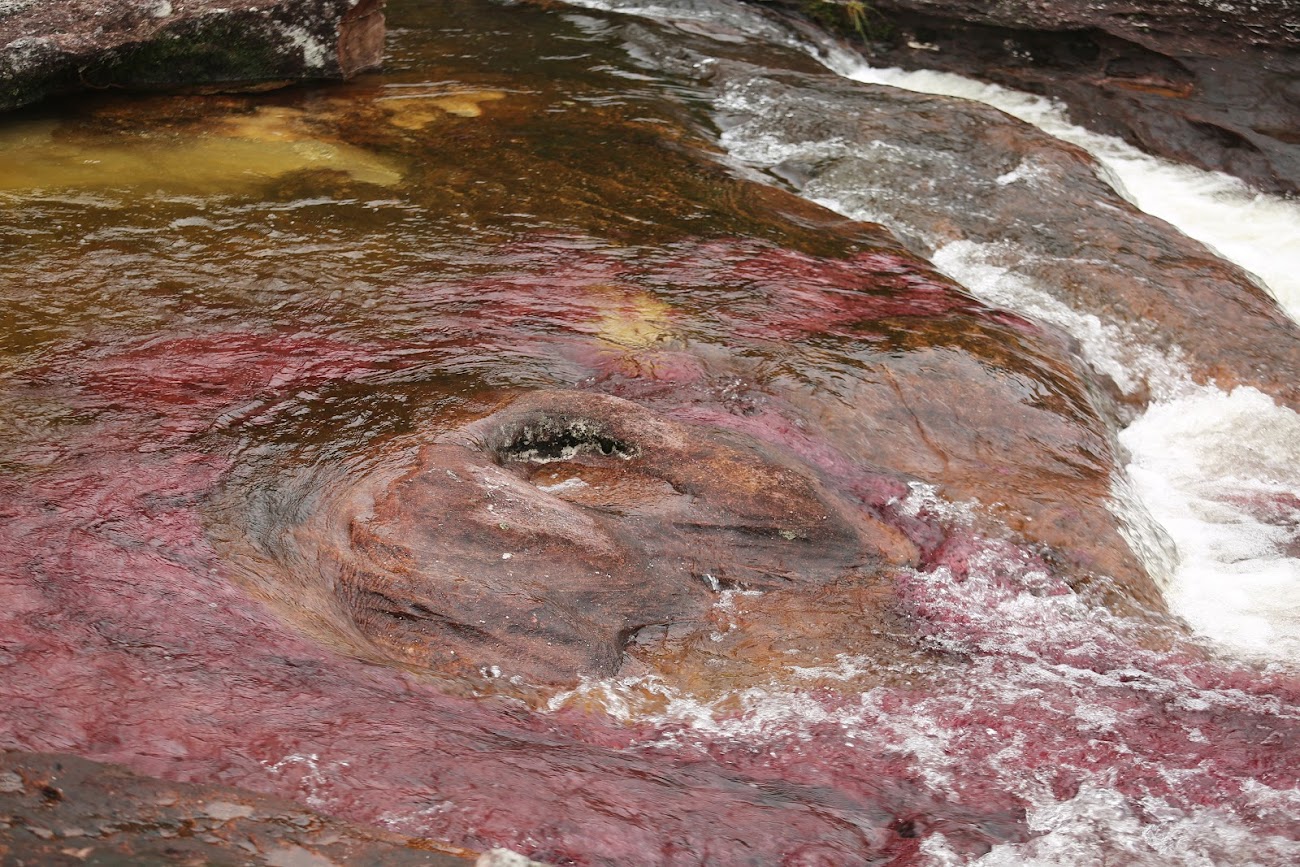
<point x="62" y="809"/>
<point x="531" y="538"/>
<point x="542" y="538"/>
<point x="56" y="46"/>
<point x="1023" y="220"/>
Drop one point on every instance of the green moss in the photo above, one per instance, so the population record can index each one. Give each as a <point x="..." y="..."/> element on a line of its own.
<point x="201" y="53"/>
<point x="852" y="18"/>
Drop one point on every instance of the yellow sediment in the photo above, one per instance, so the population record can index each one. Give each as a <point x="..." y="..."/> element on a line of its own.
<point x="634" y="321"/>
<point x="415" y="111"/>
<point x="232" y="153"/>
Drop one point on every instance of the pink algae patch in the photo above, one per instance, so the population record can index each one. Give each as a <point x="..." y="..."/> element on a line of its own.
<point x="124" y="641"/>
<point x="123" y="638"/>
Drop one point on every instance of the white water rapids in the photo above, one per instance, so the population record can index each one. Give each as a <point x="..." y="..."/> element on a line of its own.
<point x="1197" y="451"/>
<point x="1197" y="456"/>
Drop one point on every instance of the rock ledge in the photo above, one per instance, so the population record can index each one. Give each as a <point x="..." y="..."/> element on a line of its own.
<point x="49" y="47"/>
<point x="1215" y="83"/>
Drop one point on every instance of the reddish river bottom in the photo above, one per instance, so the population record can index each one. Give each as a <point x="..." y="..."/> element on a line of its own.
<point x="466" y="452"/>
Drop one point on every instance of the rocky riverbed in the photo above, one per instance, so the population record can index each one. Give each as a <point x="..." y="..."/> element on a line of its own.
<point x="505" y="451"/>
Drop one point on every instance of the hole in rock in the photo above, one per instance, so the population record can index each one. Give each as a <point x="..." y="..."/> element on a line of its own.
<point x="1137" y="65"/>
<point x="546" y="439"/>
<point x="1080" y="47"/>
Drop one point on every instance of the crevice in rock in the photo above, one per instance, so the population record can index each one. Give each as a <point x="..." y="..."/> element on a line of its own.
<point x="546" y="439"/>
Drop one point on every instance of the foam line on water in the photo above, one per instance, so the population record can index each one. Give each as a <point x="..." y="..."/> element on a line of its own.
<point x="1214" y="474"/>
<point x="1236" y="576"/>
<point x="1221" y="473"/>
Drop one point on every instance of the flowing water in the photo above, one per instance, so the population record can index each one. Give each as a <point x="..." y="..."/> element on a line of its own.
<point x="529" y="446"/>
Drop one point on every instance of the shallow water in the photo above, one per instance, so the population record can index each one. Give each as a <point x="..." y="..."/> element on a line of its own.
<point x="849" y="582"/>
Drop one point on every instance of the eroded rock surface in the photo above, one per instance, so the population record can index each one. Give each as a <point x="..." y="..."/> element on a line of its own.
<point x="56" y="46"/>
<point x="1209" y="83"/>
<point x="64" y="810"/>
<point x="543" y="537"/>
<point x="532" y="538"/>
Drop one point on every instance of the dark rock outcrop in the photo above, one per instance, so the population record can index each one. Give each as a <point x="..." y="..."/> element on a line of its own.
<point x="62" y="809"/>
<point x="49" y="47"/>
<point x="1213" y="84"/>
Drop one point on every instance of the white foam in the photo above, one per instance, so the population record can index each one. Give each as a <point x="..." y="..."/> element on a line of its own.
<point x="1259" y="232"/>
<point x="1019" y="629"/>
<point x="1221" y="473"/>
<point x="1072" y="832"/>
<point x="1213" y="472"/>
<point x="1111" y="349"/>
<point x="1232" y="577"/>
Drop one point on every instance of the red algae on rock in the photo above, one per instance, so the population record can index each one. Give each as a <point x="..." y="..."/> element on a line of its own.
<point x="62" y="809"/>
<point x="590" y="502"/>
<point x="719" y="527"/>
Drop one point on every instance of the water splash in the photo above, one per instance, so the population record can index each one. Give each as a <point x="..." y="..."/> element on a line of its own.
<point x="1241" y="592"/>
<point x="1221" y="472"/>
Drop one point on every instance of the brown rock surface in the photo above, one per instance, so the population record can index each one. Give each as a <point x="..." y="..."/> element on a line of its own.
<point x="682" y="517"/>
<point x="56" y="46"/>
<point x="1214" y="84"/>
<point x="582" y="520"/>
<point x="1029" y="208"/>
<point x="64" y="810"/>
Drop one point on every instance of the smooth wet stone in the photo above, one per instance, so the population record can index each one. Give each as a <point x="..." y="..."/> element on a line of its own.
<point x="537" y="541"/>
<point x="531" y="538"/>
<point x="1011" y="210"/>
<point x="63" y="809"/>
<point x="49" y="47"/>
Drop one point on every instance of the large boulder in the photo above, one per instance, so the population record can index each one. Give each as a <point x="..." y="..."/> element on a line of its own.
<point x="985" y="197"/>
<point x="1213" y="84"/>
<point x="57" y="46"/>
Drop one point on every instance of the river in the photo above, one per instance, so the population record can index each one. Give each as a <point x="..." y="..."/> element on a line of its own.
<point x="652" y="436"/>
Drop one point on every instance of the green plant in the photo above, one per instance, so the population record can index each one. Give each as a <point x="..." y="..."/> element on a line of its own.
<point x="849" y="17"/>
